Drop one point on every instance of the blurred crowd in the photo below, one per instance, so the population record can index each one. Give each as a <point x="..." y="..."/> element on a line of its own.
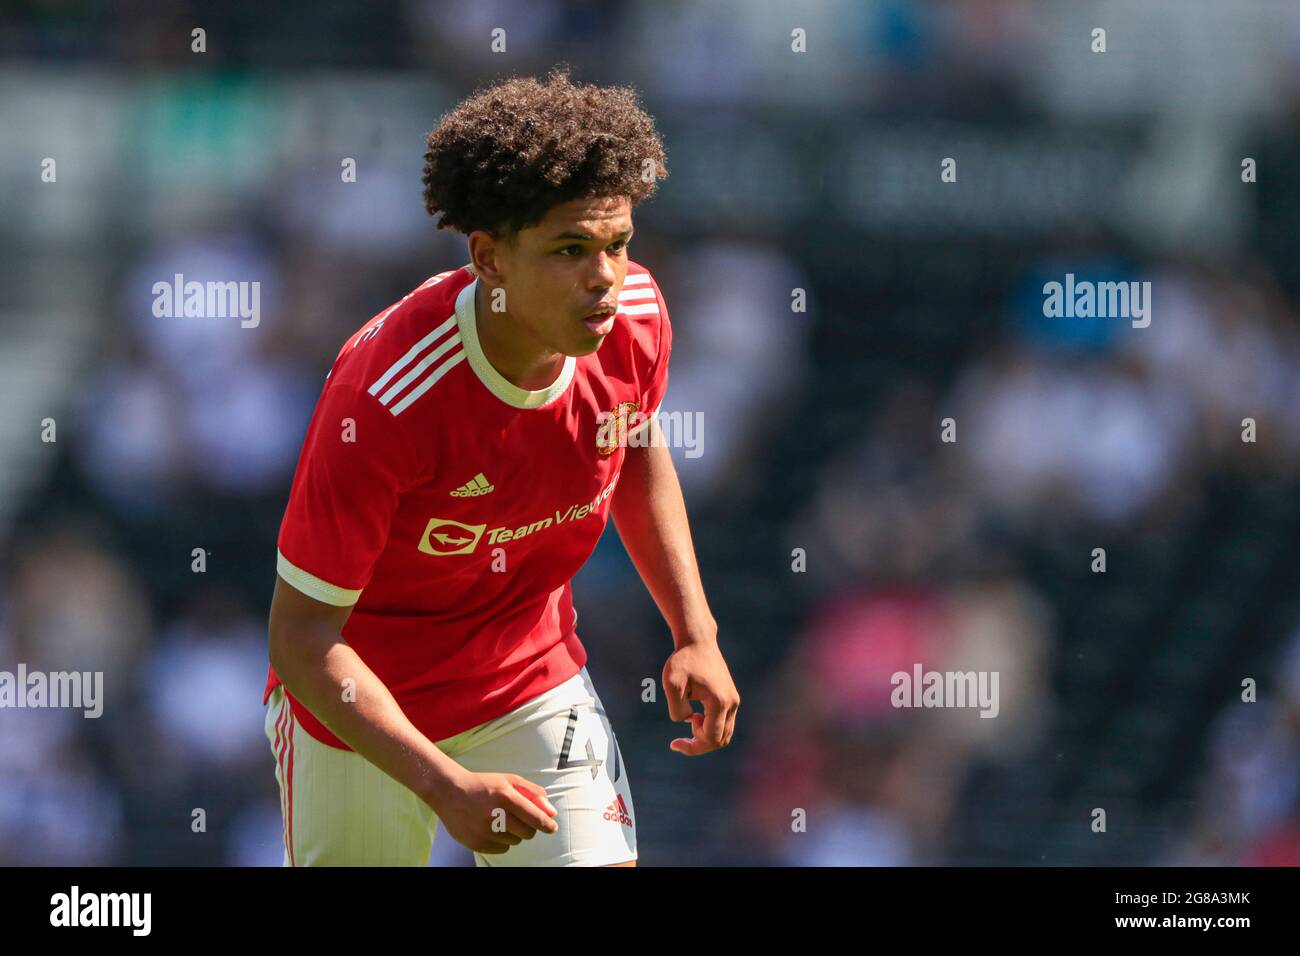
<point x="1086" y="443"/>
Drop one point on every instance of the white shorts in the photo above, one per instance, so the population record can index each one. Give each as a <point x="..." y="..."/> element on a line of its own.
<point x="339" y="809"/>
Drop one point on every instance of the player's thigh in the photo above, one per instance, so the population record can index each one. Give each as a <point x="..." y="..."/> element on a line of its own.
<point x="339" y="809"/>
<point x="564" y="742"/>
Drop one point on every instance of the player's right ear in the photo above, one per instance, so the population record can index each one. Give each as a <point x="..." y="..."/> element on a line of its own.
<point x="483" y="251"/>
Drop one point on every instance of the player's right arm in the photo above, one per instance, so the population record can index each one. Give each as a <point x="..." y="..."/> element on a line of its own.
<point x="315" y="662"/>
<point x="355" y="463"/>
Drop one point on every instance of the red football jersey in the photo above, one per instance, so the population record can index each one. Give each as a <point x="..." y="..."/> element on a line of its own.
<point x="453" y="507"/>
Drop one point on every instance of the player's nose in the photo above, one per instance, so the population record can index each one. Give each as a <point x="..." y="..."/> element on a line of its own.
<point x="605" y="274"/>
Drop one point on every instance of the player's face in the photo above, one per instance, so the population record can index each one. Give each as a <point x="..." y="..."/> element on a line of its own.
<point x="567" y="267"/>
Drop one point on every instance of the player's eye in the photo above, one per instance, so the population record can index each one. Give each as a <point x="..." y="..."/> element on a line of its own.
<point x="617" y="246"/>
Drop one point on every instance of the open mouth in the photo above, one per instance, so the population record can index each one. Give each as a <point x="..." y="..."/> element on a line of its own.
<point x="600" y="322"/>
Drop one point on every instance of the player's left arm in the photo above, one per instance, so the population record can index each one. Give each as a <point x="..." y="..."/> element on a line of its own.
<point x="650" y="515"/>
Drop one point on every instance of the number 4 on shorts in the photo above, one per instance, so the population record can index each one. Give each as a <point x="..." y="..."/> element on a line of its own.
<point x="592" y="761"/>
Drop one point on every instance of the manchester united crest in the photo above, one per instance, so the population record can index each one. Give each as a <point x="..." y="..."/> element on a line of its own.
<point x="611" y="433"/>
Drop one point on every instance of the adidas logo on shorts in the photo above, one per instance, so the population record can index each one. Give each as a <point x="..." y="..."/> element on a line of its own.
<point x="618" y="811"/>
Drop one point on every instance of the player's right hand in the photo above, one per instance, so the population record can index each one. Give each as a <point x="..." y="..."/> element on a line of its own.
<point x="471" y="814"/>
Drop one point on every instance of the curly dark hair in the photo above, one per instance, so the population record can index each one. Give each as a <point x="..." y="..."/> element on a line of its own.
<point x="504" y="157"/>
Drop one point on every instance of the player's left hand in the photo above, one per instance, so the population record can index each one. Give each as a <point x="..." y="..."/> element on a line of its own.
<point x="697" y="671"/>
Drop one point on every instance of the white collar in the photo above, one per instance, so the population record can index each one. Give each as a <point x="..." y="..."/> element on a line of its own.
<point x="494" y="381"/>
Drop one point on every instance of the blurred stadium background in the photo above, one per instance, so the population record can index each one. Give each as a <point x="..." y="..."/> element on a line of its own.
<point x="817" y="171"/>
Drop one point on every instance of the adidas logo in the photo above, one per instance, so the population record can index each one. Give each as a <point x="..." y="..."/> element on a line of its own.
<point x="618" y="811"/>
<point x="478" y="485"/>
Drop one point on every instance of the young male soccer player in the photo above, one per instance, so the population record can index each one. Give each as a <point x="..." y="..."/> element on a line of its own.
<point x="461" y="463"/>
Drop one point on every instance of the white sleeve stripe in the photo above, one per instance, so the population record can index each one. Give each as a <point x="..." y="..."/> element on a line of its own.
<point x="313" y="586"/>
<point x="409" y="357"/>
<point x="434" y="280"/>
<point x="420" y="367"/>
<point x="429" y="381"/>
